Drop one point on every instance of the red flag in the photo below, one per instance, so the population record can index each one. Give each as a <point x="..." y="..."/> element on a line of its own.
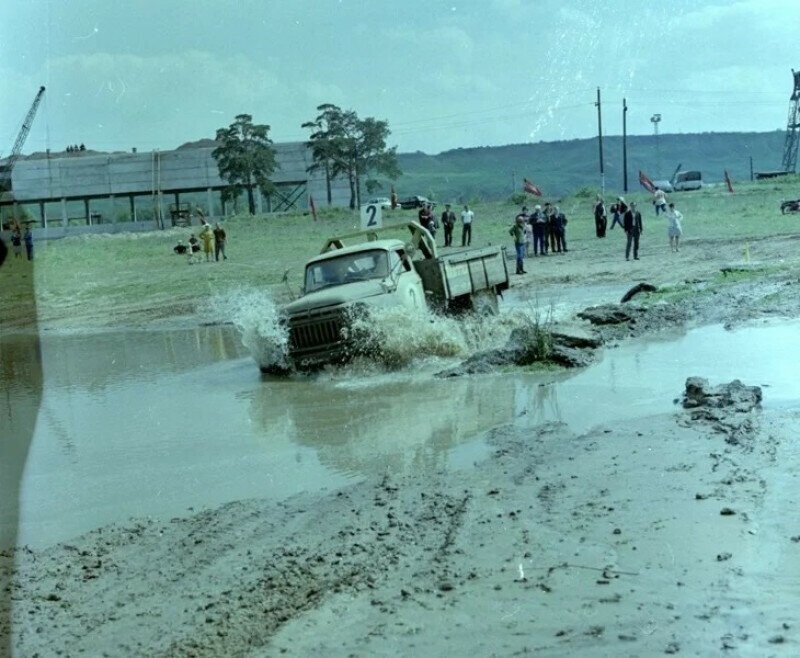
<point x="530" y="188"/>
<point x="312" y="206"/>
<point x="646" y="183"/>
<point x="728" y="182"/>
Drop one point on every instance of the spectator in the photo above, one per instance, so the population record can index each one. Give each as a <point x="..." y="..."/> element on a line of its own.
<point x="207" y="236"/>
<point x="180" y="248"/>
<point x="28" y="239"/>
<point x="674" y="230"/>
<point x="424" y="215"/>
<point x="551" y="226"/>
<point x="660" y="200"/>
<point x="523" y="214"/>
<point x="539" y="224"/>
<point x="617" y="213"/>
<point x="633" y="229"/>
<point x="16" y="242"/>
<point x="517" y="231"/>
<point x="600" y="219"/>
<point x="560" y="229"/>
<point x="219" y="241"/>
<point x="448" y="222"/>
<point x="194" y="247"/>
<point x="467" y="217"/>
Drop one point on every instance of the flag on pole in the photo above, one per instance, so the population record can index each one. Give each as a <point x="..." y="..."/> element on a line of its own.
<point x="312" y="206"/>
<point x="530" y="188"/>
<point x="728" y="183"/>
<point x="646" y="183"/>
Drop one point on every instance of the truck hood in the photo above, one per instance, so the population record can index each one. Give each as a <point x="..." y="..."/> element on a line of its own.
<point x="370" y="292"/>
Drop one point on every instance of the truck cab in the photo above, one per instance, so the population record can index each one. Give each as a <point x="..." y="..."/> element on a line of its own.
<point x="343" y="282"/>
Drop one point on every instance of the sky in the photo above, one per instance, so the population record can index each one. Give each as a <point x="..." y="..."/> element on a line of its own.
<point x="154" y="74"/>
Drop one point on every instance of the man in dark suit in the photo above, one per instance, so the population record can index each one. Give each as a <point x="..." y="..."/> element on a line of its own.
<point x="632" y="223"/>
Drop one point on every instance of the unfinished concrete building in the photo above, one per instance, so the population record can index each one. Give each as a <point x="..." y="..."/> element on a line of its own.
<point x="156" y="189"/>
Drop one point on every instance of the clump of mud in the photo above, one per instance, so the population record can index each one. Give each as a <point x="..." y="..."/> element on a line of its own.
<point x="727" y="408"/>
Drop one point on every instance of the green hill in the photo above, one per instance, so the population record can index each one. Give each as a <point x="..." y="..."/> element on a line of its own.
<point x="559" y="168"/>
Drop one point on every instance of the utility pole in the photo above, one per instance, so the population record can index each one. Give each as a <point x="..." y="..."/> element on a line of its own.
<point x="600" y="143"/>
<point x="624" y="146"/>
<point x="751" y="167"/>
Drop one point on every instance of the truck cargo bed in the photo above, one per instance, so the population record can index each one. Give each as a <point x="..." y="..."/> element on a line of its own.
<point x="464" y="272"/>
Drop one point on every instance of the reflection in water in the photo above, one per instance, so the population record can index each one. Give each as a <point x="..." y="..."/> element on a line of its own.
<point x="21" y="384"/>
<point x="359" y="427"/>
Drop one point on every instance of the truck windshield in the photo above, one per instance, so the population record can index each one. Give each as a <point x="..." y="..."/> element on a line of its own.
<point x="337" y="270"/>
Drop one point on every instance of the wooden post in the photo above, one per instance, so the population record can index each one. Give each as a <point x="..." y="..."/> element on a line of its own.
<point x="133" y="208"/>
<point x="64" y="217"/>
<point x="86" y="214"/>
<point x="42" y="214"/>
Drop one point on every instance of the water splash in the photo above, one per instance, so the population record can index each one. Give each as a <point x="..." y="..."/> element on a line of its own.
<point x="386" y="339"/>
<point x="255" y="314"/>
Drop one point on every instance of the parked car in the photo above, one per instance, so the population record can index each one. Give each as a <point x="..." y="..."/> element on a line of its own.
<point x="381" y="201"/>
<point x="688" y="180"/>
<point x="663" y="185"/>
<point x="415" y="202"/>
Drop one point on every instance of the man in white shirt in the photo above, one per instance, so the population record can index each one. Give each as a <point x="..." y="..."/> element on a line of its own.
<point x="466" y="219"/>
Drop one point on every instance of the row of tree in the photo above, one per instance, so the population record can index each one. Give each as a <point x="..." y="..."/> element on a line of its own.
<point x="342" y="145"/>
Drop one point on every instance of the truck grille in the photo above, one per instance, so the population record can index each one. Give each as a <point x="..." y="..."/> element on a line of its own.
<point x="315" y="334"/>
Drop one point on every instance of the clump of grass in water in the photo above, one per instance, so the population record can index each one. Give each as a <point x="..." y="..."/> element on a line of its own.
<point x="534" y="334"/>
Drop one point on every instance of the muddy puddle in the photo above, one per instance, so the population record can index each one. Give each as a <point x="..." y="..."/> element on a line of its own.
<point x="157" y="424"/>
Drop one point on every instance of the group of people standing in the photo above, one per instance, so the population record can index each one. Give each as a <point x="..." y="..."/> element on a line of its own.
<point x="448" y="222"/>
<point x="209" y="239"/>
<point x="630" y="220"/>
<point x="537" y="231"/>
<point x="18" y="238"/>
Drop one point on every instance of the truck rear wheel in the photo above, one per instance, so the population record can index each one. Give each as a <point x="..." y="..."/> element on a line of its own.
<point x="485" y="303"/>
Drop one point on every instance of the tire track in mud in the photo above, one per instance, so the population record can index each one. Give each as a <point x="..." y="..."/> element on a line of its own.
<point x="231" y="577"/>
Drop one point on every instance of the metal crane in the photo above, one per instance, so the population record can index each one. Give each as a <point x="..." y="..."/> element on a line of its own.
<point x="5" y="169"/>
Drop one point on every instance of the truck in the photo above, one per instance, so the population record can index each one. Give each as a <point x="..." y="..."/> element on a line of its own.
<point x="345" y="281"/>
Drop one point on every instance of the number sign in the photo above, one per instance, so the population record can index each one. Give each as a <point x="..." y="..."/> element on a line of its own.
<point x="371" y="216"/>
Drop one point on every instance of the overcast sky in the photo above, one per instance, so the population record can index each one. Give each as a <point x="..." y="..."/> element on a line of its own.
<point x="157" y="73"/>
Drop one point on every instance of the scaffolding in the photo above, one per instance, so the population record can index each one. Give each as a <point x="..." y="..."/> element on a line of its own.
<point x="789" y="162"/>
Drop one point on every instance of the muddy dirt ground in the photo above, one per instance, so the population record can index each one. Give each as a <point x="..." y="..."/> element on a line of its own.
<point x="672" y="534"/>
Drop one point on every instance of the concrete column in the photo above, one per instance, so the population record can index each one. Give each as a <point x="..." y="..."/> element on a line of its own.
<point x="64" y="216"/>
<point x="42" y="215"/>
<point x="133" y="208"/>
<point x="209" y="202"/>
<point x="162" y="219"/>
<point x="86" y="214"/>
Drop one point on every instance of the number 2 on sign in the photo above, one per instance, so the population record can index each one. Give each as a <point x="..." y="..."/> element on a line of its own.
<point x="371" y="217"/>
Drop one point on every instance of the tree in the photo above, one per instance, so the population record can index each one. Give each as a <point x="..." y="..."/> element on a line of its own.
<point x="344" y="145"/>
<point x="245" y="159"/>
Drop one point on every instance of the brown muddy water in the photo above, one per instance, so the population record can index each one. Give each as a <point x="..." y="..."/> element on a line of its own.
<point x="161" y="423"/>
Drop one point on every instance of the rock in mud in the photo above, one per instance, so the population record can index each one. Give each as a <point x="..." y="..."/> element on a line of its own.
<point x="572" y="347"/>
<point x="605" y="314"/>
<point x="570" y="357"/>
<point x="699" y="393"/>
<point x="726" y="408"/>
<point x="572" y="336"/>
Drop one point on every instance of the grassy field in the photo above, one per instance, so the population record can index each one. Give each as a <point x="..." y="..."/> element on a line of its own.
<point x="110" y="279"/>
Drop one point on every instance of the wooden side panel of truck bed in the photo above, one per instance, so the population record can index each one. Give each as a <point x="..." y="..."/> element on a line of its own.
<point x="465" y="272"/>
